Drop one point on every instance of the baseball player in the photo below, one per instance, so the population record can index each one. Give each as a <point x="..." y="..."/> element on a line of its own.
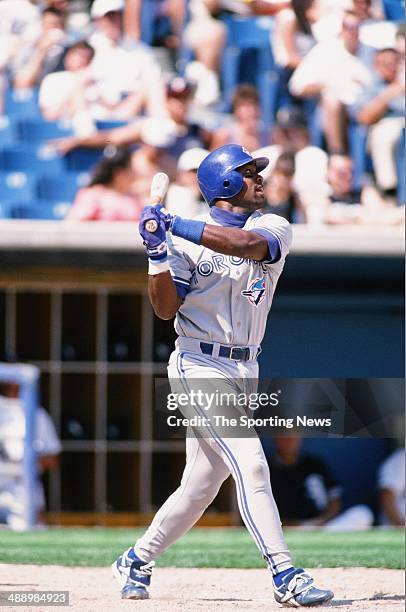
<point x="217" y="275"/>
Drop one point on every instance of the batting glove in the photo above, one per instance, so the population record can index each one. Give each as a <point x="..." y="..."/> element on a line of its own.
<point x="155" y="242"/>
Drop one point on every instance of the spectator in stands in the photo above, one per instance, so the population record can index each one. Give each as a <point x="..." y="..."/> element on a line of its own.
<point x="71" y="93"/>
<point x="306" y="492"/>
<point x="179" y="96"/>
<point x="184" y="197"/>
<point x="187" y="134"/>
<point x="374" y="31"/>
<point x="18" y="21"/>
<point x="344" y="205"/>
<point x="206" y="36"/>
<point x="16" y="16"/>
<point x="290" y="134"/>
<point x="340" y="181"/>
<point x="280" y="193"/>
<point x="372" y="9"/>
<point x="381" y="107"/>
<point x="167" y="16"/>
<point x="335" y="71"/>
<point x="21" y="30"/>
<point x="156" y="137"/>
<point x="391" y="483"/>
<point x="292" y="37"/>
<point x="48" y="447"/>
<point x="109" y="195"/>
<point x="43" y="55"/>
<point x="125" y="68"/>
<point x="290" y="130"/>
<point x="246" y="127"/>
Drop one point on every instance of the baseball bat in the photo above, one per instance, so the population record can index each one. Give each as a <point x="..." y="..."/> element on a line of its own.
<point x="159" y="187"/>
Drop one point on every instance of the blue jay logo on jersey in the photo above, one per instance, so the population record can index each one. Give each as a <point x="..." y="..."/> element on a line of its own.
<point x="256" y="291"/>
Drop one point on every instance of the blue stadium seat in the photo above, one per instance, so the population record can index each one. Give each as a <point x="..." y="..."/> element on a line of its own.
<point x="148" y="11"/>
<point x="22" y="102"/>
<point x="5" y="210"/>
<point x="155" y="25"/>
<point x="268" y="93"/>
<point x="63" y="187"/>
<point x="313" y="113"/>
<point x="8" y="133"/>
<point x="357" y="143"/>
<point x="110" y="125"/>
<point x="83" y="159"/>
<point x="40" y="159"/>
<point x="37" y="130"/>
<point x="251" y="35"/>
<point x="40" y="209"/>
<point x="16" y="186"/>
<point x="394" y="10"/>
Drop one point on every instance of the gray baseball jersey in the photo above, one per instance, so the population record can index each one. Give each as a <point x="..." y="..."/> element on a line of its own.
<point x="228" y="298"/>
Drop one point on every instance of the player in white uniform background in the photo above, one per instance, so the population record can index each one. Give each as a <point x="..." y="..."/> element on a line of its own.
<point x="217" y="274"/>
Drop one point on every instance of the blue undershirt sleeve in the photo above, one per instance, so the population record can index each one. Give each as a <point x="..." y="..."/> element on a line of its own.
<point x="274" y="245"/>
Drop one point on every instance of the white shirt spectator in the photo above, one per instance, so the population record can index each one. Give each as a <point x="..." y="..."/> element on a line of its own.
<point x="181" y="200"/>
<point x="310" y="167"/>
<point x="184" y="197"/>
<point x="18" y="17"/>
<point x="330" y="66"/>
<point x="391" y="475"/>
<point x="125" y="68"/>
<point x="374" y="33"/>
<point x="56" y="88"/>
<point x="332" y="6"/>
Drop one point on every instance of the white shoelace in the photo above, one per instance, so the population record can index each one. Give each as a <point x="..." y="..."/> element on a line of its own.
<point x="300" y="583"/>
<point x="147" y="569"/>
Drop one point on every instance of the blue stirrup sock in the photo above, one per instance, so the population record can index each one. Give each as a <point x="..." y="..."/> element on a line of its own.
<point x="279" y="577"/>
<point x="189" y="229"/>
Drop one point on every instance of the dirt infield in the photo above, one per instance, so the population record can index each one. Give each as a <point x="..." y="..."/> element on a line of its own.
<point x="194" y="590"/>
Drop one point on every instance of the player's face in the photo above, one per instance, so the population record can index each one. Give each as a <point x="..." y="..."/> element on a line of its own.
<point x="252" y="196"/>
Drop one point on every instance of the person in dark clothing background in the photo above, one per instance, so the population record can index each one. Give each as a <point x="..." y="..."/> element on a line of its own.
<point x="306" y="492"/>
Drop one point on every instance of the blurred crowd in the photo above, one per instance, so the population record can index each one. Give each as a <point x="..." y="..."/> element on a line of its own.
<point x="147" y="87"/>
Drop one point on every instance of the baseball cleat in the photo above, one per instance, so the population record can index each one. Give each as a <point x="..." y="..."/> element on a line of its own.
<point x="133" y="575"/>
<point x="297" y="590"/>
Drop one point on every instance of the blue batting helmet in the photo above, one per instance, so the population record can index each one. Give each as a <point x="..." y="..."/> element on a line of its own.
<point x="217" y="174"/>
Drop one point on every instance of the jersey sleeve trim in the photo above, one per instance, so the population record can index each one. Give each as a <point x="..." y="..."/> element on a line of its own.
<point x="181" y="281"/>
<point x="274" y="244"/>
<point x="182" y="286"/>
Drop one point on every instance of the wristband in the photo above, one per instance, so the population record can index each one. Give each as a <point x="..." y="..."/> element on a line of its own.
<point x="158" y="253"/>
<point x="155" y="267"/>
<point x="189" y="229"/>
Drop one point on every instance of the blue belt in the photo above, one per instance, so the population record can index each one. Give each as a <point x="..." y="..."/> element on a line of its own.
<point x="236" y="353"/>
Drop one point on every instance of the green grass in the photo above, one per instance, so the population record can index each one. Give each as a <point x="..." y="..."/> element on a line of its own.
<point x="204" y="548"/>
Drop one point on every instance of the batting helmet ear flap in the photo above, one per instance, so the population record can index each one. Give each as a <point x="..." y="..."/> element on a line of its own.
<point x="232" y="184"/>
